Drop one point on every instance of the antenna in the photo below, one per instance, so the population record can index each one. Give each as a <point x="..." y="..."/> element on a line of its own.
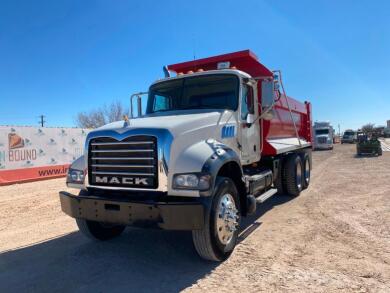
<point x="194" y="51"/>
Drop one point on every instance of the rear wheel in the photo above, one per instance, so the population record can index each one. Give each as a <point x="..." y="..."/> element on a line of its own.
<point x="306" y="170"/>
<point x="99" y="231"/>
<point x="218" y="237"/>
<point x="293" y="175"/>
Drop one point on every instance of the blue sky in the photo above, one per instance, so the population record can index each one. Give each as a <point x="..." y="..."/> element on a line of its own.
<point x="61" y="57"/>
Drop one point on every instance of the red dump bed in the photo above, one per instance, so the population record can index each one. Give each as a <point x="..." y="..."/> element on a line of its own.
<point x="278" y="135"/>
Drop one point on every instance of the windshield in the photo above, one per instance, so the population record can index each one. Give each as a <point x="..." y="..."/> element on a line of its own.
<point x="322" y="131"/>
<point x="198" y="92"/>
<point x="349" y="133"/>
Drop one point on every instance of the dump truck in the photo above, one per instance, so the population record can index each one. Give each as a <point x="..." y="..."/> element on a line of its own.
<point x="201" y="149"/>
<point x="323" y="135"/>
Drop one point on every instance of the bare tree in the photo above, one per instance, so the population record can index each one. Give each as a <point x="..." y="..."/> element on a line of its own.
<point x="103" y="115"/>
<point x="114" y="112"/>
<point x="368" y="128"/>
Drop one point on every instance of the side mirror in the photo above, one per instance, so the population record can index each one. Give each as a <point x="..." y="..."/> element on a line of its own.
<point x="267" y="94"/>
<point x="139" y="106"/>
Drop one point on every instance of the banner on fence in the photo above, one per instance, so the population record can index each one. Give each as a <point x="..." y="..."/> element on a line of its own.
<point x="33" y="153"/>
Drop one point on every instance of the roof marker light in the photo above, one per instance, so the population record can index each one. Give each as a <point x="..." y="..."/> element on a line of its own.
<point x="190" y="72"/>
<point x="200" y="70"/>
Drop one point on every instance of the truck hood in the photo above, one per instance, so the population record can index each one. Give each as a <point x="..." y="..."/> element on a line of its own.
<point x="177" y="124"/>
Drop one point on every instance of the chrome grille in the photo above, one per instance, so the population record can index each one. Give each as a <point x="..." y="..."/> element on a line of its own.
<point x="321" y="139"/>
<point x="131" y="162"/>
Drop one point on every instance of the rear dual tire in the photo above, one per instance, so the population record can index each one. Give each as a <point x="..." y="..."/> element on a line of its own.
<point x="306" y="169"/>
<point x="295" y="174"/>
<point x="292" y="175"/>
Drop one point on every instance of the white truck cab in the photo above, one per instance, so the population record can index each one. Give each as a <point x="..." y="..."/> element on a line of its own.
<point x="323" y="135"/>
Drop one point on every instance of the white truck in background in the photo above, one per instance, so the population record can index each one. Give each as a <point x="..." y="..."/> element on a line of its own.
<point x="323" y="135"/>
<point x="349" y="136"/>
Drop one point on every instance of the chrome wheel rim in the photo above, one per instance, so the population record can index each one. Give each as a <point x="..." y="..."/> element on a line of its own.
<point x="227" y="219"/>
<point x="307" y="172"/>
<point x="299" y="175"/>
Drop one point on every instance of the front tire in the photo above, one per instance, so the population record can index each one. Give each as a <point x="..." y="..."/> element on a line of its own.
<point x="218" y="237"/>
<point x="293" y="181"/>
<point x="99" y="231"/>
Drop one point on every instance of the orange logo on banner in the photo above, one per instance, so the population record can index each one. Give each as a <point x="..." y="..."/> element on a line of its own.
<point x="15" y="141"/>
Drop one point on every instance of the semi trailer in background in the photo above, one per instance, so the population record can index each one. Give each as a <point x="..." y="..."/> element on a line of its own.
<point x="218" y="136"/>
<point x="323" y="135"/>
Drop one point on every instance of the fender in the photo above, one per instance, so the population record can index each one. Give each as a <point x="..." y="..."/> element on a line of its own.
<point x="222" y="155"/>
<point x="206" y="156"/>
<point x="78" y="164"/>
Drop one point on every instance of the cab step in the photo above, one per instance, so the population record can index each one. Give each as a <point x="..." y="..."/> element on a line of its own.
<point x="266" y="195"/>
<point x="253" y="201"/>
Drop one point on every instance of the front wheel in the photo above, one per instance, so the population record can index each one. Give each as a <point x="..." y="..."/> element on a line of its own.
<point x="218" y="237"/>
<point x="99" y="231"/>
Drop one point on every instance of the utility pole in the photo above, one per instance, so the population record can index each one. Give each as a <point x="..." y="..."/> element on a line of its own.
<point x="42" y="121"/>
<point x="339" y="132"/>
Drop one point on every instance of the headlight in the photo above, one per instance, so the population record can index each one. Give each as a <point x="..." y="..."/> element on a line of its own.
<point x="75" y="176"/>
<point x="194" y="181"/>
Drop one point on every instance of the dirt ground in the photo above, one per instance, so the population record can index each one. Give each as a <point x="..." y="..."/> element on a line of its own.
<point x="334" y="237"/>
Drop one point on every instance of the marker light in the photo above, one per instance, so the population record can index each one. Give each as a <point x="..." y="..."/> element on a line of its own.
<point x="223" y="65"/>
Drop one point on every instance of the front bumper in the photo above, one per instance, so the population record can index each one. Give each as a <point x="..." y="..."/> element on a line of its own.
<point x="347" y="140"/>
<point x="165" y="215"/>
<point x="323" y="146"/>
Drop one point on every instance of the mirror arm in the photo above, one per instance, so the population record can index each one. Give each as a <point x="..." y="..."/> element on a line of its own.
<point x="138" y="95"/>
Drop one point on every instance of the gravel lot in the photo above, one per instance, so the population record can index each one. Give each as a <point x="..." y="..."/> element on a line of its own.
<point x="334" y="237"/>
<point x="385" y="143"/>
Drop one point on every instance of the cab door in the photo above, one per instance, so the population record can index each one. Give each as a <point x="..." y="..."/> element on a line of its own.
<point x="249" y="133"/>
